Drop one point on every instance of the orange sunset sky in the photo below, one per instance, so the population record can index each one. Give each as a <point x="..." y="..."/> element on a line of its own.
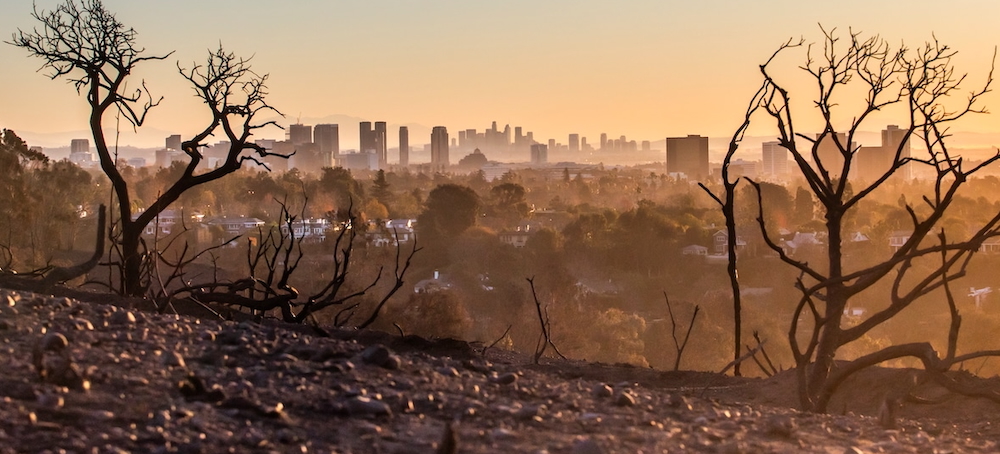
<point x="644" y="69"/>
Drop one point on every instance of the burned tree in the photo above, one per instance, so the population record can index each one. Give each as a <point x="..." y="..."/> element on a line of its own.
<point x="920" y="84"/>
<point x="87" y="45"/>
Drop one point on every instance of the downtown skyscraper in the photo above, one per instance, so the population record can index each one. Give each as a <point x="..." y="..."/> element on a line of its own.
<point x="439" y="148"/>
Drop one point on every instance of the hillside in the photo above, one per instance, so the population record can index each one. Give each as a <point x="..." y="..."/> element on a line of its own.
<point x="119" y="379"/>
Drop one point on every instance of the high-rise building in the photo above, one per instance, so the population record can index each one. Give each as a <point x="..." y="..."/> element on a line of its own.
<point x="604" y="141"/>
<point x="893" y="142"/>
<point x="872" y="163"/>
<point x="79" y="146"/>
<point x="299" y="134"/>
<point x="774" y="160"/>
<point x="688" y="155"/>
<point x="327" y="137"/>
<point x="79" y="152"/>
<point x="366" y="137"/>
<point x="830" y="155"/>
<point x="439" y="148"/>
<point x="574" y="143"/>
<point x="174" y="142"/>
<point x="646" y="146"/>
<point x="539" y="154"/>
<point x="404" y="146"/>
<point x="381" y="144"/>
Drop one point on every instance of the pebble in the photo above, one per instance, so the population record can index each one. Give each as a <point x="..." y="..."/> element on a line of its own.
<point x="602" y="390"/>
<point x="505" y="379"/>
<point x="625" y="399"/>
<point x="122" y="317"/>
<point x="377" y="355"/>
<point x="173" y="359"/>
<point x="367" y="407"/>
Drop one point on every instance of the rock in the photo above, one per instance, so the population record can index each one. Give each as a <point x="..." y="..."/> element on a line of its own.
<point x="173" y="359"/>
<point x="602" y="390"/>
<point x="377" y="355"/>
<point x="50" y="401"/>
<point x="448" y="371"/>
<point x="53" y="342"/>
<point x="122" y="317"/>
<point x="780" y="426"/>
<point x="625" y="399"/>
<point x="505" y="379"/>
<point x="367" y="407"/>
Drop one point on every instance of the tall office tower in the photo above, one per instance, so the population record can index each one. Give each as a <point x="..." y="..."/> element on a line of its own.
<point x="539" y="154"/>
<point x="506" y="135"/>
<point x="604" y="141"/>
<point x="646" y="146"/>
<point x="472" y="139"/>
<point x="871" y="163"/>
<point x="300" y="134"/>
<point x="830" y="155"/>
<point x="688" y="155"/>
<point x="552" y="144"/>
<point x="439" y="148"/>
<point x="174" y="142"/>
<point x="381" y="144"/>
<point x="518" y="137"/>
<point x="574" y="143"/>
<point x="583" y="144"/>
<point x="463" y="141"/>
<point x="366" y="137"/>
<point x="404" y="146"/>
<point x="892" y="142"/>
<point x="774" y="160"/>
<point x="79" y="146"/>
<point x="530" y="137"/>
<point x="327" y="137"/>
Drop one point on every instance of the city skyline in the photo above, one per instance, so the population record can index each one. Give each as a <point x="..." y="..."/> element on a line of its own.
<point x="643" y="69"/>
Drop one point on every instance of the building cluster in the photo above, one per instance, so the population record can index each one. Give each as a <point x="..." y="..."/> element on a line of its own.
<point x="311" y="148"/>
<point x="687" y="158"/>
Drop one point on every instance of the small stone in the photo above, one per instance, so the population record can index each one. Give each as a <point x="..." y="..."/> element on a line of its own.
<point x="83" y="325"/>
<point x="780" y="426"/>
<point x="376" y="354"/>
<point x="122" y="317"/>
<point x="53" y="342"/>
<point x="448" y="371"/>
<point x="505" y="379"/>
<point x="602" y="390"/>
<point x="173" y="359"/>
<point x="367" y="407"/>
<point x="393" y="363"/>
<point x="50" y="401"/>
<point x="624" y="399"/>
<point x="853" y="450"/>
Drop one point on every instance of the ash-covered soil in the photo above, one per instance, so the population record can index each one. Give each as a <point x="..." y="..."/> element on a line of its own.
<point x="91" y="377"/>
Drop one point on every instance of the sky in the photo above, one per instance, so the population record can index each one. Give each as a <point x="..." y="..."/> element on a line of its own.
<point x="646" y="69"/>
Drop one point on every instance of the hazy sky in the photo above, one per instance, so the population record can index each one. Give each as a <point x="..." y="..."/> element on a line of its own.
<point x="645" y="69"/>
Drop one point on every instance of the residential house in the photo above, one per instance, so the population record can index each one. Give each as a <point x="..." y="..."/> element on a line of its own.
<point x="695" y="249"/>
<point x="898" y="238"/>
<point x="720" y="240"/>
<point x="392" y="233"/>
<point x="236" y="225"/>
<point x="516" y="238"/>
<point x="308" y="230"/>
<point x="991" y="245"/>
